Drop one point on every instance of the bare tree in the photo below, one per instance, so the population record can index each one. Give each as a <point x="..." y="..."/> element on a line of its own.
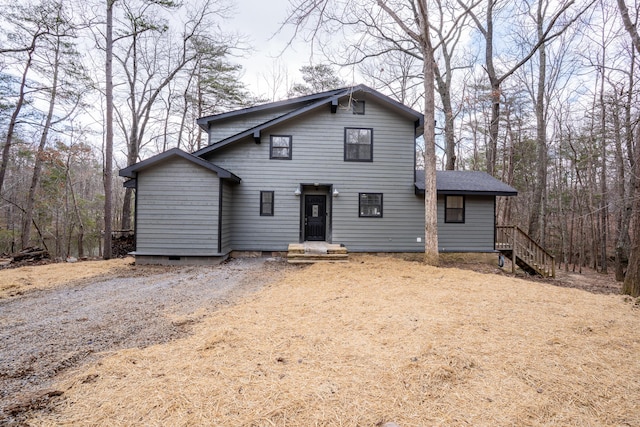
<point x="276" y="79"/>
<point x="32" y="25"/>
<point x="545" y="78"/>
<point x="150" y="61"/>
<point x="397" y="74"/>
<point x="447" y="41"/>
<point x="632" y="279"/>
<point x="553" y="27"/>
<point x="108" y="145"/>
<point x="630" y="26"/>
<point x="60" y="56"/>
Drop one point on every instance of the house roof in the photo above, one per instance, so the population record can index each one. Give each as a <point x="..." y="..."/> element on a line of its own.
<point x="302" y="100"/>
<point x="131" y="171"/>
<point x="301" y="105"/>
<point x="466" y="182"/>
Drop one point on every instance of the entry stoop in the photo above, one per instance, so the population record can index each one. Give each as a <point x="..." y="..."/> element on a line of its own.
<point x="310" y="252"/>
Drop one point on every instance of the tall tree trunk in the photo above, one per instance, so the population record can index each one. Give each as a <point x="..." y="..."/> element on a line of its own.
<point x="76" y="210"/>
<point x="536" y="221"/>
<point x="6" y="151"/>
<point x="508" y="173"/>
<point x="37" y="168"/>
<point x="603" y="208"/>
<point x="431" y="255"/>
<point x="627" y="190"/>
<point x="494" y="128"/>
<point x="622" y="240"/>
<point x="108" y="149"/>
<point x="443" y="84"/>
<point x="631" y="284"/>
<point x="133" y="144"/>
<point x="447" y="109"/>
<point x="132" y="158"/>
<point x="632" y="279"/>
<point x="495" y="95"/>
<point x="629" y="25"/>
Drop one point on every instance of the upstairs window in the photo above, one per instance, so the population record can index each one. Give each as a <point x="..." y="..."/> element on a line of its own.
<point x="280" y="147"/>
<point x="266" y="203"/>
<point x="454" y="209"/>
<point x="358" y="144"/>
<point x="357" y="107"/>
<point x="370" y="205"/>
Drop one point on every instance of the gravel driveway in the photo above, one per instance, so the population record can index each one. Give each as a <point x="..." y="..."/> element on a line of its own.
<point x="44" y="333"/>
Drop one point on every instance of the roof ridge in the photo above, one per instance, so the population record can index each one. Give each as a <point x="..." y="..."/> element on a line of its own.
<point x="271" y="104"/>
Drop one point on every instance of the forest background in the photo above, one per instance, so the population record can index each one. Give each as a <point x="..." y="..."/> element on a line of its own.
<point x="543" y="95"/>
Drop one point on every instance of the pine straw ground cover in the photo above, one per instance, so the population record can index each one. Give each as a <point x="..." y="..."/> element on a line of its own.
<point x="16" y="281"/>
<point x="377" y="340"/>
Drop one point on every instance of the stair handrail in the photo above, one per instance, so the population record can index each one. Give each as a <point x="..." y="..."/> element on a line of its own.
<point x="517" y="243"/>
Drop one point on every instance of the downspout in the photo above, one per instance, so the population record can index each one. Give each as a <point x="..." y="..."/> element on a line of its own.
<point x="220" y="192"/>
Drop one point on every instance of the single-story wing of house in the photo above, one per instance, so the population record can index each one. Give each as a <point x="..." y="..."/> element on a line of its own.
<point x="336" y="167"/>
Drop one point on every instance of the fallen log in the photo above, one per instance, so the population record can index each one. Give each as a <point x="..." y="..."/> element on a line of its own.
<point x="30" y="254"/>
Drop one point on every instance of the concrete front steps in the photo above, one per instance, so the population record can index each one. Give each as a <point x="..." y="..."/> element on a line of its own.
<point x="310" y="252"/>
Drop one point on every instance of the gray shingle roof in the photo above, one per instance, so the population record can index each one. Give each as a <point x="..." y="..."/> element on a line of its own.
<point x="466" y="182"/>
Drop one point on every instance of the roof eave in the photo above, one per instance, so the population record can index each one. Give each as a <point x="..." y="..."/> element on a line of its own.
<point x="132" y="171"/>
<point x="420" y="191"/>
<point x="203" y="122"/>
<point x="476" y="193"/>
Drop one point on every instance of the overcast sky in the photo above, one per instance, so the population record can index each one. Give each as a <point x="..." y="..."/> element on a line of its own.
<point x="259" y="20"/>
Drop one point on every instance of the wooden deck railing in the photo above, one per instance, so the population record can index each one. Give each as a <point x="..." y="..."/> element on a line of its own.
<point x="511" y="240"/>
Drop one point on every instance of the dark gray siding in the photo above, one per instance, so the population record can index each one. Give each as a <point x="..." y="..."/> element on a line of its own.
<point x="478" y="231"/>
<point x="227" y="215"/>
<point x="177" y="210"/>
<point x="318" y="157"/>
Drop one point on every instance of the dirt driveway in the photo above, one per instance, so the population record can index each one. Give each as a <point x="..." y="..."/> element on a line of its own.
<point x="45" y="333"/>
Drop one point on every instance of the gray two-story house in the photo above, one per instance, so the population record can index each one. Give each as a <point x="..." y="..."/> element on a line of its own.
<point x="337" y="166"/>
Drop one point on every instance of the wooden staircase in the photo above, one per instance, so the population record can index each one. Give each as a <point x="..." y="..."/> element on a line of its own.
<point x="516" y="245"/>
<point x="310" y="252"/>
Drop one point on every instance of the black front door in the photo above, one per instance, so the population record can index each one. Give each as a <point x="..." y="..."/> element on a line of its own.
<point x="315" y="217"/>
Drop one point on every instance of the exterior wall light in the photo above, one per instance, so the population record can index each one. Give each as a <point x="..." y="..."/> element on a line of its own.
<point x="335" y="192"/>
<point x="297" y="191"/>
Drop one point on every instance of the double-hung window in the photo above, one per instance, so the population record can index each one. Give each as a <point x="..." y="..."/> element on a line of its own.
<point x="358" y="144"/>
<point x="454" y="209"/>
<point x="280" y="147"/>
<point x="370" y="205"/>
<point x="266" y="203"/>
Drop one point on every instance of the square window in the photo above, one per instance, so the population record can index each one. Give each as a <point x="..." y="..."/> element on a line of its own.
<point x="266" y="203"/>
<point x="370" y="205"/>
<point x="280" y="147"/>
<point x="358" y="144"/>
<point x="454" y="209"/>
<point x="357" y="107"/>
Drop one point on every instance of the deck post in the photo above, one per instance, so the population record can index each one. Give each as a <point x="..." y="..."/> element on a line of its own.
<point x="513" y="250"/>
